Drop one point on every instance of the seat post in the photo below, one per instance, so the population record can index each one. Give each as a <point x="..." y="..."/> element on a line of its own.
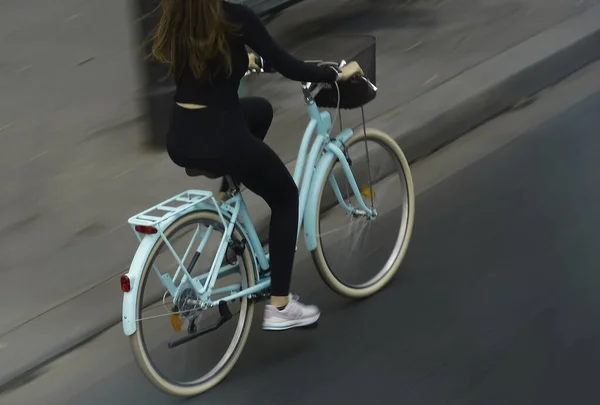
<point x="234" y="187"/>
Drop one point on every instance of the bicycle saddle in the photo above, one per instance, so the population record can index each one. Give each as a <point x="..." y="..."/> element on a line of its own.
<point x="196" y="172"/>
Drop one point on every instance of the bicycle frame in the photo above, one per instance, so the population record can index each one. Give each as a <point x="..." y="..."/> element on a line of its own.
<point x="309" y="174"/>
<point x="309" y="165"/>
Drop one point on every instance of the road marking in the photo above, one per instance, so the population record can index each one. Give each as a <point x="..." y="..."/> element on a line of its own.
<point x="122" y="173"/>
<point x="410" y="48"/>
<point x="10" y="124"/>
<point x="24" y="68"/>
<point x="2" y="346"/>
<point x="432" y="78"/>
<point x="38" y="156"/>
<point x="84" y="61"/>
<point x="116" y="228"/>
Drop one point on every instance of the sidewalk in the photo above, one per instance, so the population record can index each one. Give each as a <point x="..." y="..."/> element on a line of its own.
<point x="420" y="45"/>
<point x="74" y="170"/>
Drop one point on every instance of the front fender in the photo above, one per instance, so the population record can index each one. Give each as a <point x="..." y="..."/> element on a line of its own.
<point x="136" y="268"/>
<point x="310" y="216"/>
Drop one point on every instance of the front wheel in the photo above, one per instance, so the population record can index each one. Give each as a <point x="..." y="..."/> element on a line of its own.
<point x="351" y="245"/>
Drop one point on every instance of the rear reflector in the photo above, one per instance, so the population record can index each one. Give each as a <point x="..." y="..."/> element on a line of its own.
<point x="125" y="284"/>
<point x="145" y="229"/>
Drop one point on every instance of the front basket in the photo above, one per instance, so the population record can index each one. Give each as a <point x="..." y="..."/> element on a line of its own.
<point x="354" y="93"/>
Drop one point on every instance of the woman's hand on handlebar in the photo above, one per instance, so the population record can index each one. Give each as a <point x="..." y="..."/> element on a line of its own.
<point x="351" y="70"/>
<point x="258" y="64"/>
<point x="253" y="61"/>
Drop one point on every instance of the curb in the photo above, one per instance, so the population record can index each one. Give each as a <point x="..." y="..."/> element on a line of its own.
<point x="490" y="88"/>
<point x="421" y="126"/>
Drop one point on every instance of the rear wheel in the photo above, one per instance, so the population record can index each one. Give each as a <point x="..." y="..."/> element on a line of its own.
<point x="350" y="246"/>
<point x="158" y="313"/>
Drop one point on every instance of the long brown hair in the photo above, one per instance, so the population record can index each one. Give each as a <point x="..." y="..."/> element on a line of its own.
<point x="193" y="32"/>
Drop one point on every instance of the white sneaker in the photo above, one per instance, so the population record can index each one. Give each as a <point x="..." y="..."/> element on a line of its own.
<point x="294" y="315"/>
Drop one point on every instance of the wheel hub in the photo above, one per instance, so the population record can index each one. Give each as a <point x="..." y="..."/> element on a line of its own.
<point x="188" y="303"/>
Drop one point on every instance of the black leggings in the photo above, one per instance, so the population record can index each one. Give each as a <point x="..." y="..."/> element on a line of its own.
<point x="253" y="163"/>
<point x="258" y="115"/>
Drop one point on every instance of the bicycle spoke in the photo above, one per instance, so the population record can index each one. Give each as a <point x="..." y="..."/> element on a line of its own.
<point x="345" y="254"/>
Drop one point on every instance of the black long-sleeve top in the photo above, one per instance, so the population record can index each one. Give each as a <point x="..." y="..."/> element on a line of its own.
<point x="221" y="91"/>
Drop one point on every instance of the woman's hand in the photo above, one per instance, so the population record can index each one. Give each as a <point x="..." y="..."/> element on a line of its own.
<point x="252" y="65"/>
<point x="350" y="70"/>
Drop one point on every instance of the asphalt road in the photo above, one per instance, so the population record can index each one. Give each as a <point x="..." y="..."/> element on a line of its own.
<point x="497" y="303"/>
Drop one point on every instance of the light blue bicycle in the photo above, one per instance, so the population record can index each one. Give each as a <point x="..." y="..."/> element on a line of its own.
<point x="237" y="270"/>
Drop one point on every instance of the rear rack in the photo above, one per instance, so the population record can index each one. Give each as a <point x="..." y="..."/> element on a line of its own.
<point x="170" y="208"/>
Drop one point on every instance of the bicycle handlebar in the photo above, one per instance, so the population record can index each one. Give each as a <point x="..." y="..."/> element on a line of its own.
<point x="263" y="67"/>
<point x="310" y="88"/>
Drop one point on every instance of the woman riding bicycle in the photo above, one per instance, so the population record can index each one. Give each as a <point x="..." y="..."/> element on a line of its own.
<point x="204" y="43"/>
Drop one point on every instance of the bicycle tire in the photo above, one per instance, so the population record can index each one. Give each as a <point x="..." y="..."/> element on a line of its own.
<point x="137" y="341"/>
<point x="318" y="255"/>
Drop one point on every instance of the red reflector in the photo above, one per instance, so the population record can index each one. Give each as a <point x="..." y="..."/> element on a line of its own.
<point x="125" y="284"/>
<point x="145" y="229"/>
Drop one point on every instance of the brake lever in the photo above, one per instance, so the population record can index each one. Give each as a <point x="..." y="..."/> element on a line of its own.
<point x="371" y="85"/>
